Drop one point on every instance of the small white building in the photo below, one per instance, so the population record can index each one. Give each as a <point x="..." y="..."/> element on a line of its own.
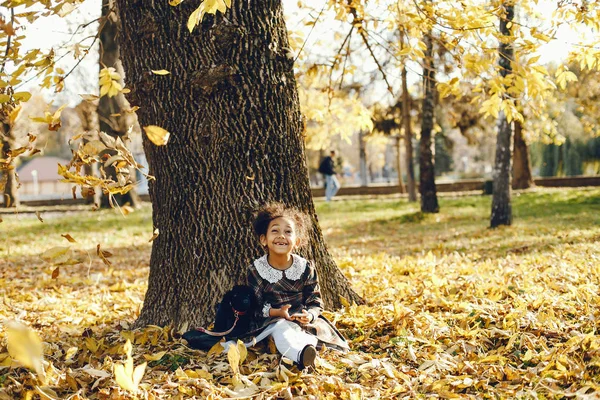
<point x="39" y="178"/>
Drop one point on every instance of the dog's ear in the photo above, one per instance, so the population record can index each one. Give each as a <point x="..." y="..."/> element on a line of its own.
<point x="227" y="297"/>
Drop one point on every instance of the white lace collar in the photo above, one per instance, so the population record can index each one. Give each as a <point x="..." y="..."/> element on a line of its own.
<point x="273" y="275"/>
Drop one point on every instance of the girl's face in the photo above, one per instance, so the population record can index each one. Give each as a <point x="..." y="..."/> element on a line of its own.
<point x="281" y="237"/>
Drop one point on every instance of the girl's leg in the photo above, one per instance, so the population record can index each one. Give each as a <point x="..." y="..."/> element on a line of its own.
<point x="290" y="339"/>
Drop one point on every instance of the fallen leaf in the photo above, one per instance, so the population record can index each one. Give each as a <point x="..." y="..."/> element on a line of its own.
<point x="160" y="72"/>
<point x="55" y="272"/>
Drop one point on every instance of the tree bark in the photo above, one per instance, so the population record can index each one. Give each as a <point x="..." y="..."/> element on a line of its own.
<point x="362" y="156"/>
<point x="429" y="201"/>
<point x="88" y="115"/>
<point x="410" y="169"/>
<point x="501" y="205"/>
<point x="522" y="176"/>
<point x="232" y="106"/>
<point x="9" y="183"/>
<point x="111" y="110"/>
<point x="401" y="186"/>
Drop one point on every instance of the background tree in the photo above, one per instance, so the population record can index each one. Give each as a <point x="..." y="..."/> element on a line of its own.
<point x="115" y="114"/>
<point x="501" y="205"/>
<point x="8" y="179"/>
<point x="231" y="102"/>
<point x="429" y="202"/>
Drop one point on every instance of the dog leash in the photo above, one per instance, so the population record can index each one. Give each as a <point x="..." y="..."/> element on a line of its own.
<point x="211" y="333"/>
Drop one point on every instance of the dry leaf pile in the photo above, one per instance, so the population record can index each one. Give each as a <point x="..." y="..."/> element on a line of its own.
<point x="440" y="323"/>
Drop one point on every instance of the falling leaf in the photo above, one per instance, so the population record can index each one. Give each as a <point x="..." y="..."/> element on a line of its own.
<point x="54" y="253"/>
<point x="160" y="72"/>
<point x="69" y="237"/>
<point x="154" y="235"/>
<point x="89" y="97"/>
<point x="39" y="216"/>
<point x="25" y="346"/>
<point x="55" y="272"/>
<point x="157" y="135"/>
<point x="104" y="256"/>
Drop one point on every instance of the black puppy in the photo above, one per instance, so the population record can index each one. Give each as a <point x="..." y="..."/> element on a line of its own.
<point x="232" y="320"/>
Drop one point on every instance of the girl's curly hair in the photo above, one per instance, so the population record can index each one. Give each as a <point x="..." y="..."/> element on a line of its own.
<point x="271" y="211"/>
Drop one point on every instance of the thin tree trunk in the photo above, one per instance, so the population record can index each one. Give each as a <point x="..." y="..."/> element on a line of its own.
<point x="522" y="176"/>
<point x="232" y="107"/>
<point x="501" y="206"/>
<point x="9" y="183"/>
<point x="410" y="169"/>
<point x="429" y="201"/>
<point x="111" y="110"/>
<point x="362" y="156"/>
<point x="399" y="165"/>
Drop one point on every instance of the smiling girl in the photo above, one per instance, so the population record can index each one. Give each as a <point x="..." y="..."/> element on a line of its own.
<point x="287" y="288"/>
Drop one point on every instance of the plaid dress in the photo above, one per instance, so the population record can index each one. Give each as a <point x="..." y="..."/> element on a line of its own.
<point x="297" y="286"/>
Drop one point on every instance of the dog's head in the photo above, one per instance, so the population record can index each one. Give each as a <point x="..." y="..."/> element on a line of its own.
<point x="241" y="298"/>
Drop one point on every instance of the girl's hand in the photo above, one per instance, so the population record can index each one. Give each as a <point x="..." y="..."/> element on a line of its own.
<point x="304" y="317"/>
<point x="281" y="312"/>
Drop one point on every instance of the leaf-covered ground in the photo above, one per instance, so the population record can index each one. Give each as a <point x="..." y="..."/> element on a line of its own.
<point x="456" y="310"/>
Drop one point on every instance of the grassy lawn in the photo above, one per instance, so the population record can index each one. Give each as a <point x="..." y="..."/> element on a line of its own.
<point x="455" y="309"/>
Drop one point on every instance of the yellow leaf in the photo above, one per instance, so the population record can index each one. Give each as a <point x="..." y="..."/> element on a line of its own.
<point x="126" y="376"/>
<point x="160" y="72"/>
<point x="344" y="301"/>
<point x="233" y="356"/>
<point x="25" y="346"/>
<point x="69" y="238"/>
<point x="54" y="253"/>
<point x="155" y="356"/>
<point x="71" y="352"/>
<point x="216" y="349"/>
<point x="243" y="351"/>
<point x="157" y="135"/>
<point x="22" y="96"/>
<point x="14" y="114"/>
<point x="154" y="235"/>
<point x="4" y="98"/>
<point x="192" y="20"/>
<point x="175" y="2"/>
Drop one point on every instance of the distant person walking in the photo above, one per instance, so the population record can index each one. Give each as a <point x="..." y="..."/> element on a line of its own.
<point x="327" y="168"/>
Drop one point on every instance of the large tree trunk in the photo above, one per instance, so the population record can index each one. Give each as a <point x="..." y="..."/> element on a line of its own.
<point x="111" y="110"/>
<point x="362" y="156"/>
<point x="88" y="115"/>
<point x="501" y="207"/>
<point x="9" y="184"/>
<point x="522" y="177"/>
<point x="410" y="169"/>
<point x="231" y="104"/>
<point x="429" y="201"/>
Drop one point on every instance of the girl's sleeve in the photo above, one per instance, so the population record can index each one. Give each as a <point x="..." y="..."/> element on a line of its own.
<point x="254" y="282"/>
<point x="311" y="293"/>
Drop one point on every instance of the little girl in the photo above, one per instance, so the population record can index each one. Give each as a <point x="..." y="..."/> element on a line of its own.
<point x="287" y="289"/>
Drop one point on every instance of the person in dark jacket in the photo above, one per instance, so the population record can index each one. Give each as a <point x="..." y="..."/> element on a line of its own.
<point x="287" y="291"/>
<point x="327" y="168"/>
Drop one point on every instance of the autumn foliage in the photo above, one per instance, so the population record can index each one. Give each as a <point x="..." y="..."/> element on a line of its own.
<point x="455" y="309"/>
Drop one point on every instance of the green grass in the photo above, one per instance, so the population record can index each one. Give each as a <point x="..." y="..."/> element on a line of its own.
<point x="542" y="218"/>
